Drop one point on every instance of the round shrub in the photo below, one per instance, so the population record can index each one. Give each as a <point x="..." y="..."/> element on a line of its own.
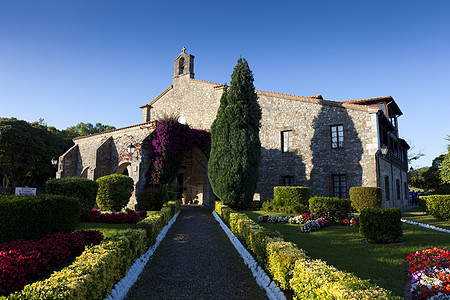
<point x="83" y="189"/>
<point x="439" y="206"/>
<point x="330" y="208"/>
<point x="381" y="225"/>
<point x="114" y="191"/>
<point x="364" y="197"/>
<point x="290" y="195"/>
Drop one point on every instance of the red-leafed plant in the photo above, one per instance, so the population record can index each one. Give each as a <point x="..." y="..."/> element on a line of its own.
<point x="22" y="262"/>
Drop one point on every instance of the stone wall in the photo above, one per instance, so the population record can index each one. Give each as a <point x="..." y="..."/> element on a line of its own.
<point x="106" y="153"/>
<point x="311" y="161"/>
<point x="394" y="173"/>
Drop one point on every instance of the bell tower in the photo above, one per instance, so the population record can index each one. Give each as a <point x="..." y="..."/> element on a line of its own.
<point x="184" y="65"/>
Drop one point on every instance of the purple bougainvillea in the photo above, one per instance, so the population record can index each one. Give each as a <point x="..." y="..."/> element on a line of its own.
<point x="167" y="144"/>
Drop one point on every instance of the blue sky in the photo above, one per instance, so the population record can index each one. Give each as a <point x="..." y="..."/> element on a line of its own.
<point x="95" y="61"/>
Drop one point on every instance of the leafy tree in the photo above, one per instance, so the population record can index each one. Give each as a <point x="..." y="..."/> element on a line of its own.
<point x="431" y="176"/>
<point x="235" y="145"/>
<point x="26" y="151"/>
<point x="82" y="129"/>
<point x="416" y="178"/>
<point x="445" y="166"/>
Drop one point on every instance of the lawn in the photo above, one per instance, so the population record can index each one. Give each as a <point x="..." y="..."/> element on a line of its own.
<point x="106" y="229"/>
<point x="341" y="246"/>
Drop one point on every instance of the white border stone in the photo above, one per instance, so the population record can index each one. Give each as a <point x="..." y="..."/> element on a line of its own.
<point x="272" y="290"/>
<point x="426" y="226"/>
<point x="121" y="289"/>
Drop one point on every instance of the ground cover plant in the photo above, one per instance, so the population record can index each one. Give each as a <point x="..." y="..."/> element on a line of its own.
<point x="341" y="247"/>
<point x="130" y="216"/>
<point x="24" y="261"/>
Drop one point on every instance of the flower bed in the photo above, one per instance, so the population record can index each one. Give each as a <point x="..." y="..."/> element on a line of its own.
<point x="130" y="216"/>
<point x="430" y="273"/>
<point x="305" y="220"/>
<point x="24" y="261"/>
<point x="352" y="221"/>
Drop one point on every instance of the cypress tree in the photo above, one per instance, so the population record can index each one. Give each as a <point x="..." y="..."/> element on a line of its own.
<point x="235" y="145"/>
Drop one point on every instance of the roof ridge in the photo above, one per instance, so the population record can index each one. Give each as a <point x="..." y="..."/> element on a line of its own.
<point x="112" y="130"/>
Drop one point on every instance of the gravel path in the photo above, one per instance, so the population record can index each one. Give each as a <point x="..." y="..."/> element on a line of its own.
<point x="196" y="260"/>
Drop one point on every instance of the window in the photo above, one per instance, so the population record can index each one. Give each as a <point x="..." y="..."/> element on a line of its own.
<point x="286" y="141"/>
<point x="386" y="188"/>
<point x="339" y="186"/>
<point x="288" y="180"/>
<point x="406" y="190"/>
<point x="337" y="136"/>
<point x="397" y="183"/>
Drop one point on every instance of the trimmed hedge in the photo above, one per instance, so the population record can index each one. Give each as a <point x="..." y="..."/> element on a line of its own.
<point x="331" y="208"/>
<point x="114" y="191"/>
<point x="83" y="189"/>
<point x="32" y="217"/>
<point x="364" y="197"/>
<point x="439" y="206"/>
<point x="292" y="269"/>
<point x="423" y="203"/>
<point x="381" y="225"/>
<point x="93" y="274"/>
<point x="290" y="195"/>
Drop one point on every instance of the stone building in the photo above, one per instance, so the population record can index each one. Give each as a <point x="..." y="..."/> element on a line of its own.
<point x="326" y="145"/>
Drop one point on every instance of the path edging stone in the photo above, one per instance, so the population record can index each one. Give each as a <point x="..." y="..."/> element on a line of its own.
<point x="273" y="292"/>
<point x="121" y="288"/>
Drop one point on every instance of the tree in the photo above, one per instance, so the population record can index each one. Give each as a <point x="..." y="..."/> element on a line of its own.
<point x="26" y="151"/>
<point x="431" y="176"/>
<point x="445" y="166"/>
<point x="235" y="145"/>
<point x="82" y="129"/>
<point x="416" y="178"/>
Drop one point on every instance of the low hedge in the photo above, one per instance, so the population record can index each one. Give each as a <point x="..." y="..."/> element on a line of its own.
<point x="93" y="274"/>
<point x="32" y="217"/>
<point x="83" y="189"/>
<point x="364" y="196"/>
<point x="381" y="225"/>
<point x="292" y="269"/>
<point x="331" y="208"/>
<point x="423" y="203"/>
<point x="291" y="195"/>
<point x="439" y="206"/>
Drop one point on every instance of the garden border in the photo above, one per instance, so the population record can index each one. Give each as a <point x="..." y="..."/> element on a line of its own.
<point x="121" y="288"/>
<point x="426" y="225"/>
<point x="263" y="280"/>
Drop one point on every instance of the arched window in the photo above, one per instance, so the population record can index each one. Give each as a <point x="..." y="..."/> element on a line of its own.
<point x="181" y="66"/>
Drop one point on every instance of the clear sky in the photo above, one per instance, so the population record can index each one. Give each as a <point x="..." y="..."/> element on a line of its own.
<point x="71" y="61"/>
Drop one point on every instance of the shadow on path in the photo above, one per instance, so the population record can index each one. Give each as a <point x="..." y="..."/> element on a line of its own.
<point x="196" y="260"/>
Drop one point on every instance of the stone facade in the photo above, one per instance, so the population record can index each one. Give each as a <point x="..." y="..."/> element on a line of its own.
<point x="297" y="135"/>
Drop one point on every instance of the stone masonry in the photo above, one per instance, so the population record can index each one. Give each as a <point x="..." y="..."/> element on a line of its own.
<point x="310" y="160"/>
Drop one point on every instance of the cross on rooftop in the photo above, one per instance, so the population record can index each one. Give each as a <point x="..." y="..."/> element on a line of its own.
<point x="184" y="49"/>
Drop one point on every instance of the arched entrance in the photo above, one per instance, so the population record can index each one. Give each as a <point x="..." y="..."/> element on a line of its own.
<point x="192" y="179"/>
<point x="123" y="168"/>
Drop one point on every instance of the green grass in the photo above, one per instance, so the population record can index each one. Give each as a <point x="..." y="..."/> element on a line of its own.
<point x="341" y="246"/>
<point x="417" y="215"/>
<point x="106" y="229"/>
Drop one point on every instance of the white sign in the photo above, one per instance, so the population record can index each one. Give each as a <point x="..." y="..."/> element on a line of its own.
<point x="24" y="191"/>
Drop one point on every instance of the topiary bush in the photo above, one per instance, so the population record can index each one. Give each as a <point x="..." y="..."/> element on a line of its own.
<point x="330" y="208"/>
<point x="364" y="196"/>
<point x="381" y="225"/>
<point x="290" y="195"/>
<point x="439" y="206"/>
<point x="83" y="189"/>
<point x="114" y="191"/>
<point x="32" y="217"/>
